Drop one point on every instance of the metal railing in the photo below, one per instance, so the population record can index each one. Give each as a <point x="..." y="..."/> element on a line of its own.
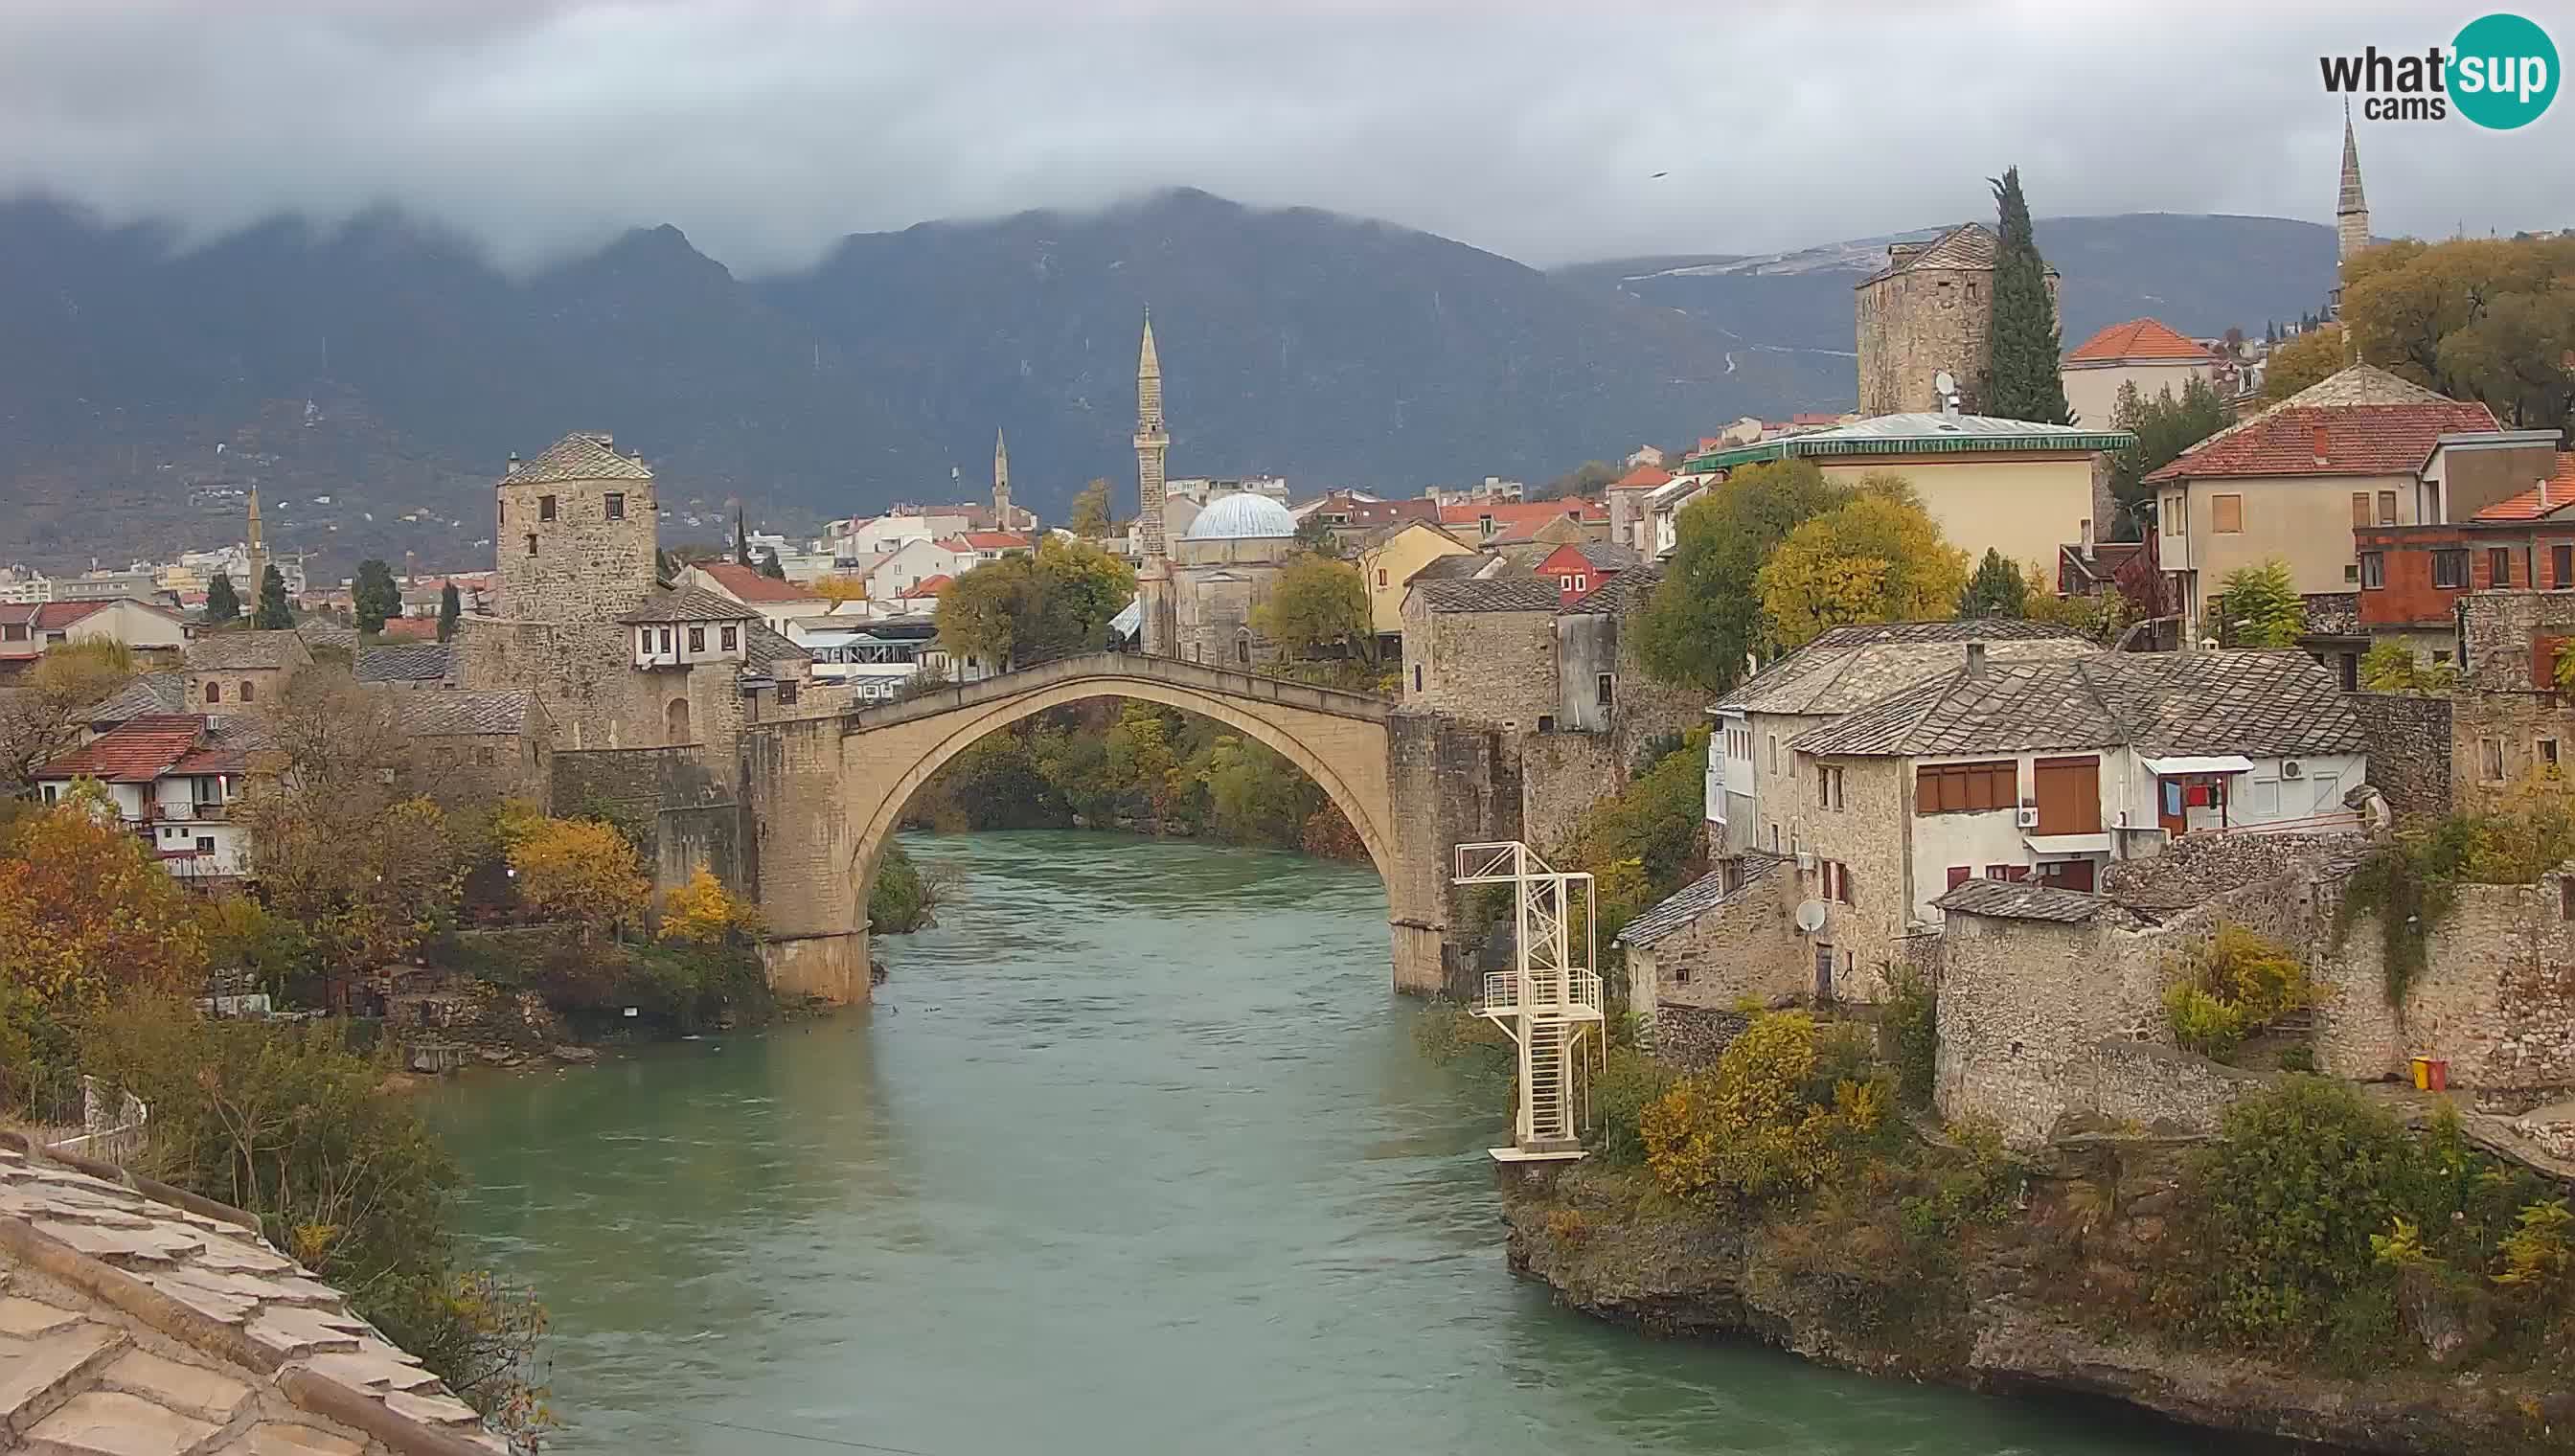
<point x="1568" y="990"/>
<point x="110" y="1133"/>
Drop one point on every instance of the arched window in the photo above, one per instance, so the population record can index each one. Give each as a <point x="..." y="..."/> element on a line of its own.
<point x="675" y="722"/>
<point x="249" y="691"/>
<point x="213" y="691"/>
<point x="1242" y="648"/>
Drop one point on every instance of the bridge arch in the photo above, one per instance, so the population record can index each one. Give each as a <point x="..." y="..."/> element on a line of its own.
<point x="827" y="792"/>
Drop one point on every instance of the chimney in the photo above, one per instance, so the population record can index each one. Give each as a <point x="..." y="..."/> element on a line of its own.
<point x="1975" y="660"/>
<point x="513" y="467"/>
<point x="2323" y="444"/>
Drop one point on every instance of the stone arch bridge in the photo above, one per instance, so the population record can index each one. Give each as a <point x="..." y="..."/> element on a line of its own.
<point x="825" y="794"/>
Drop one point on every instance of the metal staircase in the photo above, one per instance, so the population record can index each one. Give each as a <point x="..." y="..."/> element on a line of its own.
<point x="1549" y="1001"/>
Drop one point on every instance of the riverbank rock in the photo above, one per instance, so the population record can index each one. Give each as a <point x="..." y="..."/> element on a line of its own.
<point x="2034" y="1307"/>
<point x="569" y="1053"/>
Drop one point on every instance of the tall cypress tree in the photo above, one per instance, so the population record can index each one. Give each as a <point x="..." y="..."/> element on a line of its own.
<point x="450" y="605"/>
<point x="2026" y="382"/>
<point x="223" y="604"/>
<point x="741" y="541"/>
<point x="273" y="614"/>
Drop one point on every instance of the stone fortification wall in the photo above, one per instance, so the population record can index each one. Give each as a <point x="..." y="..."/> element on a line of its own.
<point x="1913" y="325"/>
<point x="1449" y="783"/>
<point x="1486" y="666"/>
<point x="2496" y="997"/>
<point x="1561" y="775"/>
<point x="2409" y="749"/>
<point x="2162" y="1089"/>
<point x="594" y="696"/>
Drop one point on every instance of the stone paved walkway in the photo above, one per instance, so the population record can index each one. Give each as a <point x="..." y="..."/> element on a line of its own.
<point x="137" y="1323"/>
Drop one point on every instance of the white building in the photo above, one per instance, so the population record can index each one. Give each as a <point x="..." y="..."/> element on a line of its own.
<point x="175" y="780"/>
<point x="916" y="562"/>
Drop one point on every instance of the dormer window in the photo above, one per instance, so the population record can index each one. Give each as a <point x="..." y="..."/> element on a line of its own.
<point x="545" y="508"/>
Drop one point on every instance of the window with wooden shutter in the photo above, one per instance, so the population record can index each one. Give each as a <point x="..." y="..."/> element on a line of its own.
<point x="1966" y="788"/>
<point x="2499" y="567"/>
<point x="2360" y="509"/>
<point x="2226" y="515"/>
<point x="2387" y="508"/>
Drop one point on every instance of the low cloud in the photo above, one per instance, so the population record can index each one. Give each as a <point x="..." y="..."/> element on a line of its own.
<point x="766" y="132"/>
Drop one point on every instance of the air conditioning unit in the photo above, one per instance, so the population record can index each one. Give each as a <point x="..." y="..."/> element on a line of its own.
<point x="2292" y="769"/>
<point x="2026" y="818"/>
<point x="1806" y="862"/>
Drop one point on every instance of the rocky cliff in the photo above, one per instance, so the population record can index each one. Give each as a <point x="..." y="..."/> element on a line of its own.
<point x="2056" y="1296"/>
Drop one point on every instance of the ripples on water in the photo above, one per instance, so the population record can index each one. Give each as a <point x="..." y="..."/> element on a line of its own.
<point x="1133" y="1154"/>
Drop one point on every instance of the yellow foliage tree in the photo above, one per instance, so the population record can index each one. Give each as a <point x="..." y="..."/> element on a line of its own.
<point x="1757" y="1124"/>
<point x="703" y="913"/>
<point x="1878" y="558"/>
<point x="581" y="871"/>
<point x="87" y="913"/>
<point x="838" y="589"/>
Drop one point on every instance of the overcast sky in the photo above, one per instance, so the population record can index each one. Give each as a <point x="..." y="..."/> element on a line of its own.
<point x="766" y="129"/>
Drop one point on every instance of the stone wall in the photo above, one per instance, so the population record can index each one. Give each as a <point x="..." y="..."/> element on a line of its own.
<point x="638" y="780"/>
<point x="594" y="695"/>
<point x="2496" y="997"/>
<point x="1448" y="784"/>
<point x="2162" y="1089"/>
<point x="1561" y="775"/>
<point x="2497" y="632"/>
<point x="584" y="568"/>
<point x="1913" y="325"/>
<point x="709" y="836"/>
<point x="1691" y="1038"/>
<point x="2499" y="737"/>
<point x="1486" y="667"/>
<point x="2410" y="751"/>
<point x="481" y="768"/>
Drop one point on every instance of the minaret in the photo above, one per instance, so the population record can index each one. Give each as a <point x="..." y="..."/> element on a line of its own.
<point x="1154" y="577"/>
<point x="2352" y="228"/>
<point x="257" y="549"/>
<point x="1000" y="482"/>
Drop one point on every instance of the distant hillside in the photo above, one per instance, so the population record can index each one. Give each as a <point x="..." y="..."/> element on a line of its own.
<point x="387" y="366"/>
<point x="2202" y="275"/>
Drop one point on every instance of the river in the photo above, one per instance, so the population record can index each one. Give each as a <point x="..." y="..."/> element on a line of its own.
<point x="1133" y="1154"/>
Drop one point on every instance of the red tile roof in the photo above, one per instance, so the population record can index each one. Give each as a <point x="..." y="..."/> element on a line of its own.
<point x="995" y="539"/>
<point x="137" y="751"/>
<point x="930" y="586"/>
<point x="745" y="585"/>
<point x="2331" y="439"/>
<point x="1642" y="478"/>
<point x="410" y="628"/>
<point x="55" y="616"/>
<point x="2139" y="339"/>
<point x="2546" y="499"/>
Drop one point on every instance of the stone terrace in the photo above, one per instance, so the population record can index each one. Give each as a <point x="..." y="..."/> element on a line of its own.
<point x="137" y="1321"/>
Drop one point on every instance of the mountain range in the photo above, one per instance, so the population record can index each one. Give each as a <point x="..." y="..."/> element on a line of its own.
<point x="372" y="375"/>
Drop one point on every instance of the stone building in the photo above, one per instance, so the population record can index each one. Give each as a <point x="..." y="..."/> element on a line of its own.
<point x="1930" y="310"/>
<point x="1223" y="570"/>
<point x="615" y="659"/>
<point x="232" y="669"/>
<point x="478" y="746"/>
<point x="1481" y="650"/>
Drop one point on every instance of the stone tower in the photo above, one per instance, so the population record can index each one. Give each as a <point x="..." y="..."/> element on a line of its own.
<point x="1000" y="482"/>
<point x="256" y="547"/>
<point x="1155" y="627"/>
<point x="577" y="533"/>
<point x="1930" y="309"/>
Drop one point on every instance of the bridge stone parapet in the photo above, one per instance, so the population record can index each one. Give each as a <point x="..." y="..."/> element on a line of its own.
<point x="827" y="793"/>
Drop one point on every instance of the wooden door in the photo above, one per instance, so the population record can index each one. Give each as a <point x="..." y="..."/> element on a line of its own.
<point x="2069" y="796"/>
<point x="1823" y="973"/>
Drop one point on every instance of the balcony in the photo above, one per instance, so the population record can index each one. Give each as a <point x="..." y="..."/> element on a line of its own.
<point x="1573" y="994"/>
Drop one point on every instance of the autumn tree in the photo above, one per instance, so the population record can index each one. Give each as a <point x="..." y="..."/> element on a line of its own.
<point x="703" y="913"/>
<point x="1044" y="604"/>
<point x="223" y="604"/>
<point x="37" y="712"/>
<point x="1317" y="605"/>
<point x="2259" y="606"/>
<point x="2391" y="666"/>
<point x="1878" y="558"/>
<point x="2489" y="319"/>
<point x="2165" y="426"/>
<point x="1705" y="618"/>
<point x="838" y="589"/>
<point x="274" y="613"/>
<point x="581" y="871"/>
<point x="2310" y="358"/>
<point x="1586" y="479"/>
<point x="377" y="596"/>
<point x="1315" y="536"/>
<point x="345" y="837"/>
<point x="451" y="606"/>
<point x="87" y="912"/>
<point x="2025" y="348"/>
<point x="1090" y="511"/>
<point x="1996" y="590"/>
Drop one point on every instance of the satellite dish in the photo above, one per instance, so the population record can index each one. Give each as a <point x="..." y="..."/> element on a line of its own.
<point x="1946" y="382"/>
<point x="1810" y="916"/>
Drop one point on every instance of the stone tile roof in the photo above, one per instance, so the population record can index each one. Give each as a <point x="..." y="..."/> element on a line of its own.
<point x="1623" y="594"/>
<point x="1603" y="555"/>
<point x="141" y="1321"/>
<point x="580" y="457"/>
<point x="688" y="603"/>
<point x="768" y="649"/>
<point x="2139" y="340"/>
<point x="1968" y="245"/>
<point x="148" y="693"/>
<point x="1697" y="898"/>
<point x="2020" y="901"/>
<point x="323" y="633"/>
<point x="406" y="662"/>
<point x="2540" y="501"/>
<point x="2256" y="704"/>
<point x="1849" y="668"/>
<point x="240" y="652"/>
<point x="1490" y="594"/>
<point x="460" y="711"/>
<point x="2370" y="423"/>
<point x="138" y="750"/>
<point x="1450" y="568"/>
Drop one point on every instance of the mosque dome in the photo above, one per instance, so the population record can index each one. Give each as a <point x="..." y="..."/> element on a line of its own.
<point x="1242" y="516"/>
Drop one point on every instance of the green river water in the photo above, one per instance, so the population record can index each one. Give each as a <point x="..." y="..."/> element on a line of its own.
<point x="1133" y="1154"/>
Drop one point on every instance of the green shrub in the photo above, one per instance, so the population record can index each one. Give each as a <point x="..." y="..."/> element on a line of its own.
<point x="1773" y="1117"/>
<point x="1913" y="1025"/>
<point x="2231" y="988"/>
<point x="1978" y="1182"/>
<point x="898" y="901"/>
<point x="1632" y="1082"/>
<point x="2540" y="1251"/>
<point x="2201" y="1022"/>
